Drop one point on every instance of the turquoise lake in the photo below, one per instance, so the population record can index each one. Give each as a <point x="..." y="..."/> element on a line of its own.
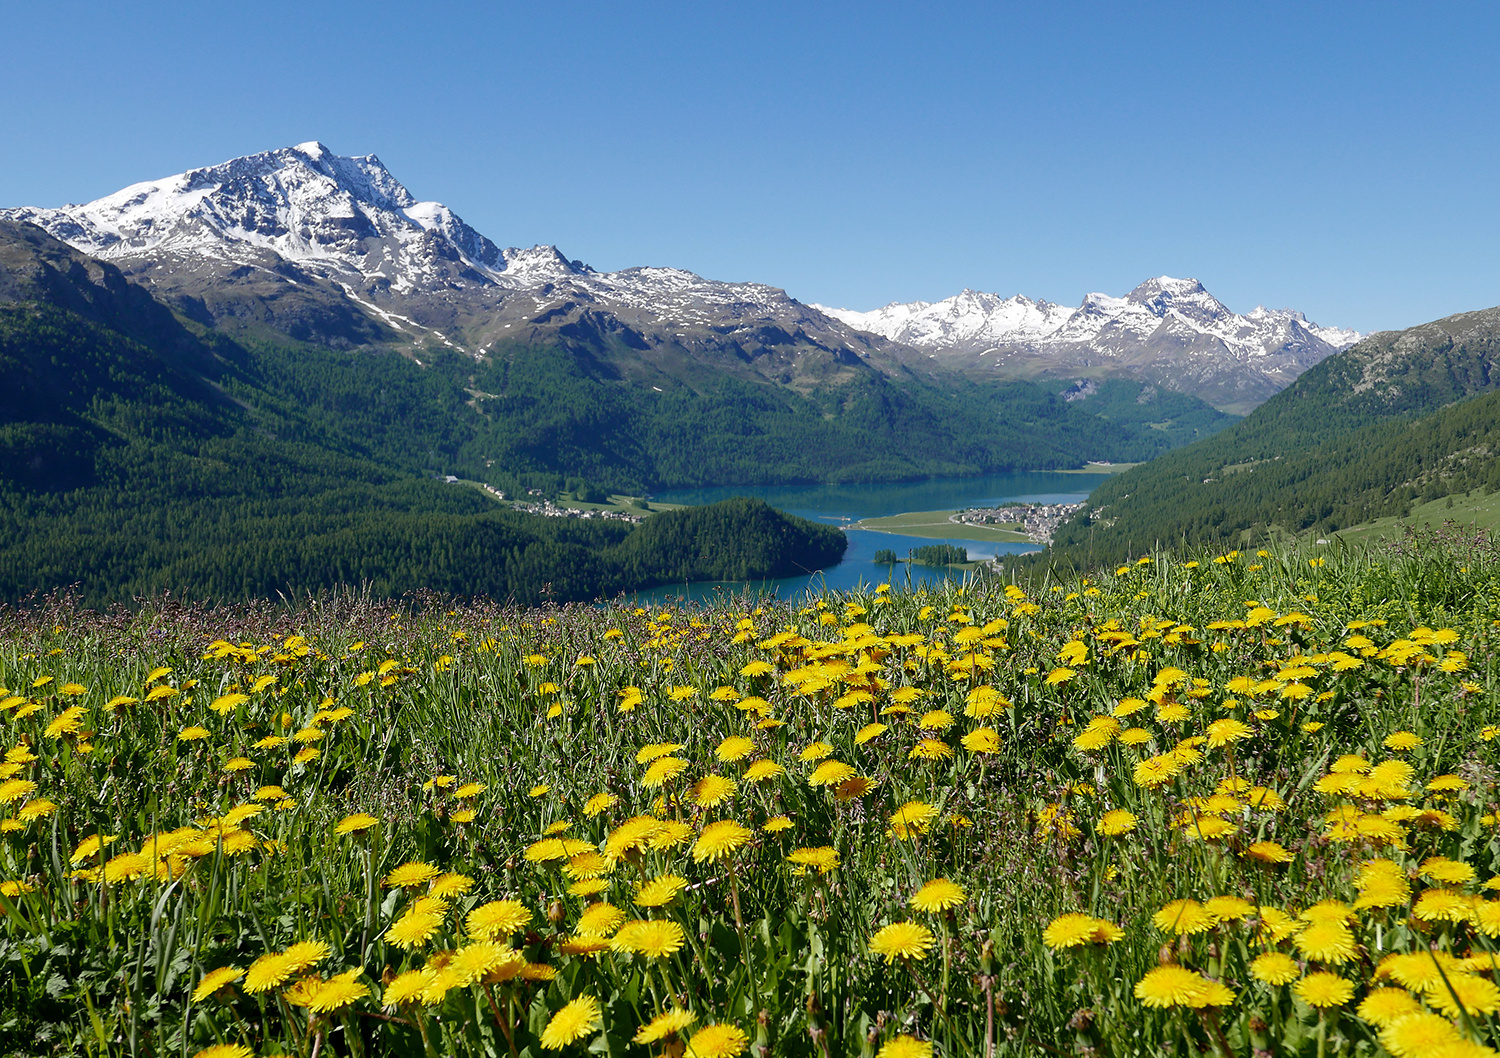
<point x="844" y="504"/>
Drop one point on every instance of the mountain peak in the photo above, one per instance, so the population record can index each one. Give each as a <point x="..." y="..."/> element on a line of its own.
<point x="344" y="216"/>
<point x="1167" y="285"/>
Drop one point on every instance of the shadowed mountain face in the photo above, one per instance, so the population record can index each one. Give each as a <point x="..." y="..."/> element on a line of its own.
<point x="1170" y="332"/>
<point x="334" y="251"/>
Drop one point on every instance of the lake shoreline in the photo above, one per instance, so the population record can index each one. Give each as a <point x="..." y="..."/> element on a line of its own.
<point x="852" y="507"/>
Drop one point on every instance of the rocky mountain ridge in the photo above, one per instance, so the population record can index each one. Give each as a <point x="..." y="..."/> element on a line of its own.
<point x="1169" y="331"/>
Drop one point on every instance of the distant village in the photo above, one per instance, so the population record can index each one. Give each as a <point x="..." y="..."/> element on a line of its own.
<point x="547" y="509"/>
<point x="1038" y="521"/>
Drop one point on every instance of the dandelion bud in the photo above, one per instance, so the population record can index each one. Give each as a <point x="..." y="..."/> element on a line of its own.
<point x="1166" y="957"/>
<point x="1260" y="1040"/>
<point x="555" y="913"/>
<point x="1184" y="946"/>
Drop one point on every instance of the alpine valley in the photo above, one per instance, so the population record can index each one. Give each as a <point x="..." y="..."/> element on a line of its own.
<point x="244" y="378"/>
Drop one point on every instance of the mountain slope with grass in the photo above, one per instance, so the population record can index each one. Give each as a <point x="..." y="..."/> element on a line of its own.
<point x="1400" y="418"/>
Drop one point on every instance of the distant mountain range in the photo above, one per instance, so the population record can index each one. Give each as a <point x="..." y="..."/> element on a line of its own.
<point x="335" y="251"/>
<point x="1171" y="332"/>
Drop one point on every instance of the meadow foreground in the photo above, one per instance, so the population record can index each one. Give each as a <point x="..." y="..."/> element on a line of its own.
<point x="1233" y="804"/>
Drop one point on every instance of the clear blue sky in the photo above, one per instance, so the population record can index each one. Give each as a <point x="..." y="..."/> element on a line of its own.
<point x="1340" y="158"/>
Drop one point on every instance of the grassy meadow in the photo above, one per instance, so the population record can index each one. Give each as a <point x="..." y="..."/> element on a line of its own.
<point x="1223" y="804"/>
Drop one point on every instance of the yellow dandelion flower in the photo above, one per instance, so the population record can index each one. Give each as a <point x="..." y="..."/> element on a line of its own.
<point x="902" y="940"/>
<point x="1382" y="1006"/>
<point x="662" y="771"/>
<point x="405" y="988"/>
<point x="830" y="773"/>
<point x="1419" y="1034"/>
<point x="1227" y="908"/>
<point x="1224" y="732"/>
<point x="599" y="919"/>
<point x="763" y="770"/>
<point x="1184" y="917"/>
<point x="815" y="751"/>
<point x="659" y="891"/>
<point x="938" y="895"/>
<point x="930" y="749"/>
<point x="667" y="1023"/>
<point x="215" y="980"/>
<point x="1327" y="941"/>
<point x="652" y="938"/>
<point x="498" y="918"/>
<point x="410" y="875"/>
<point x="1324" y="989"/>
<point x="1274" y="968"/>
<point x="1172" y="986"/>
<point x="269" y="971"/>
<point x="712" y="790"/>
<point x="717" y="1041"/>
<point x="912" y="818"/>
<point x="1464" y="993"/>
<point x="336" y="993"/>
<point x="1074" y="929"/>
<point x="1448" y="872"/>
<point x="306" y="953"/>
<point x="905" y="1047"/>
<point x="735" y="747"/>
<point x="450" y="885"/>
<point x="982" y="740"/>
<point x="573" y="1021"/>
<point x="413" y="930"/>
<point x="717" y="840"/>
<point x="225" y="1050"/>
<point x="1443" y="905"/>
<point x="1401" y="741"/>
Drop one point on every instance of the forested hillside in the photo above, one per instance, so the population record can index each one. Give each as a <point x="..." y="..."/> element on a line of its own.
<point x="1401" y="417"/>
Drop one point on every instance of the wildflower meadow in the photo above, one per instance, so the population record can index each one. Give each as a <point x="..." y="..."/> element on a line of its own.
<point x="1236" y="803"/>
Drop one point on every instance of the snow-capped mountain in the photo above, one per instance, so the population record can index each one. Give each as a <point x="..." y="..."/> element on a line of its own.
<point x="1171" y="331"/>
<point x="336" y="250"/>
<point x="305" y="243"/>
